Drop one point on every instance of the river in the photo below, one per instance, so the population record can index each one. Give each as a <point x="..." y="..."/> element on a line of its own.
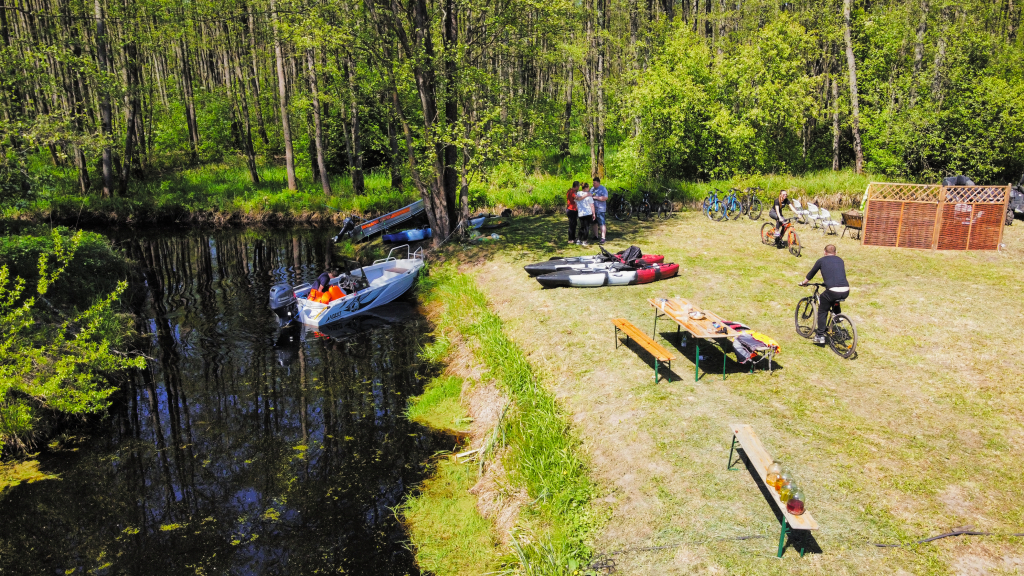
<point x="242" y="448"/>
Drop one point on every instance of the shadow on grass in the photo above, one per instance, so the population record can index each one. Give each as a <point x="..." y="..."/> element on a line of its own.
<point x="664" y="371"/>
<point x="711" y="363"/>
<point x="796" y="539"/>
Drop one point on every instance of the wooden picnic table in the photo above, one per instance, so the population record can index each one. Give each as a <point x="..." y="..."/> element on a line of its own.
<point x="678" y="309"/>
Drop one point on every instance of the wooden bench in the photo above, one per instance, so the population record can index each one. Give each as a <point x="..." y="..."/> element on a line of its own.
<point x="657" y="350"/>
<point x="743" y="434"/>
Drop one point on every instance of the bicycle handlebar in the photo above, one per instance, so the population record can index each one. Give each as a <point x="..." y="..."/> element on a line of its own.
<point x="812" y="284"/>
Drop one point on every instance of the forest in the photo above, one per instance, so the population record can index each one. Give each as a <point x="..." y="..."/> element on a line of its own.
<point x="107" y="100"/>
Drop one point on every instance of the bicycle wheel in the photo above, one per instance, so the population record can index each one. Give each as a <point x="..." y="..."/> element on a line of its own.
<point x="804" y="317"/>
<point x="733" y="209"/>
<point x="768" y="234"/>
<point x="643" y="210"/>
<point x="623" y="211"/>
<point x="842" y="336"/>
<point x="721" y="213"/>
<point x="665" y="209"/>
<point x="793" y="242"/>
<point x="754" y="212"/>
<point x="709" y="208"/>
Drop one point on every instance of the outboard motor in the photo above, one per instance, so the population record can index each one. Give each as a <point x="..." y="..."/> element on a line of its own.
<point x="347" y="226"/>
<point x="283" y="301"/>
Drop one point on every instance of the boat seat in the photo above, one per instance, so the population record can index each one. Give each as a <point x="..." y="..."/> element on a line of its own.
<point x="397" y="270"/>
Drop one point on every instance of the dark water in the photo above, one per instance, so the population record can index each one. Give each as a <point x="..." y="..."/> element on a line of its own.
<point x="242" y="448"/>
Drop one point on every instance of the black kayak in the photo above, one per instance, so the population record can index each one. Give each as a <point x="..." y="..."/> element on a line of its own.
<point x="584" y="262"/>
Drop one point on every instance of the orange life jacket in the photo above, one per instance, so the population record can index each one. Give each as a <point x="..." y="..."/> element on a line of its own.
<point x="336" y="292"/>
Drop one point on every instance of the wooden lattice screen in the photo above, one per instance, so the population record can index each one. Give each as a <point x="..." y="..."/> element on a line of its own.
<point x="931" y="216"/>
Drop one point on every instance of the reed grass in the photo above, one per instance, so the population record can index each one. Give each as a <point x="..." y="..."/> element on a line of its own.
<point x="540" y="452"/>
<point x="439" y="406"/>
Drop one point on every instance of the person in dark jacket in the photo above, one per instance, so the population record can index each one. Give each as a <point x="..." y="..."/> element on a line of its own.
<point x="833" y="274"/>
<point x="323" y="282"/>
<point x="571" y="211"/>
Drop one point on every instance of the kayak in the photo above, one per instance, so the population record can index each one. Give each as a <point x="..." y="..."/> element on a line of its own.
<point x="408" y="236"/>
<point x="417" y="234"/>
<point x="592" y="278"/>
<point x="359" y="231"/>
<point x="581" y="262"/>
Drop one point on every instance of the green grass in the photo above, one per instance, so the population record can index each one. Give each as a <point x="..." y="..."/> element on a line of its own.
<point x="439" y="406"/>
<point x="222" y="192"/>
<point x="920" y="433"/>
<point x="538" y="448"/>
<point x="450" y="537"/>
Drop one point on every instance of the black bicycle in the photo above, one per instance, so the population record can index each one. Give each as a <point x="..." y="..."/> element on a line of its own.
<point x="751" y="203"/>
<point x="666" y="209"/>
<point x="645" y="209"/>
<point x="620" y="208"/>
<point x="840" y="333"/>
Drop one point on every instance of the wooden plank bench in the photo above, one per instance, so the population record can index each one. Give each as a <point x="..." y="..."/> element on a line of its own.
<point x="744" y="436"/>
<point x="656" y="350"/>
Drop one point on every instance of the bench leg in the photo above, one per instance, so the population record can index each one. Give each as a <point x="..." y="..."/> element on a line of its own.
<point x="732" y="450"/>
<point x="724" y="358"/>
<point x="696" y="361"/>
<point x="656" y="363"/>
<point x="782" y="538"/>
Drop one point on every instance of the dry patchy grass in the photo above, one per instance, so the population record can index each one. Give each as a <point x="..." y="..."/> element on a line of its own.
<point x="922" y="432"/>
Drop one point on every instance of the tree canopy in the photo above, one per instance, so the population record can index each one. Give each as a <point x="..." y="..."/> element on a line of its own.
<point x="437" y="92"/>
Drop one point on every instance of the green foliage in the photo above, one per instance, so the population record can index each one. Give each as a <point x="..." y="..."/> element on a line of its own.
<point x="54" y="367"/>
<point x="439" y="406"/>
<point x="94" y="271"/>
<point x="540" y="451"/>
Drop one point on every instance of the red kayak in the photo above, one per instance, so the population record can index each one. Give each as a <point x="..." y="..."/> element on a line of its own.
<point x="656" y="272"/>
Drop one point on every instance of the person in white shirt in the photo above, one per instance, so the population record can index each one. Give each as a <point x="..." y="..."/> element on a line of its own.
<point x="585" y="209"/>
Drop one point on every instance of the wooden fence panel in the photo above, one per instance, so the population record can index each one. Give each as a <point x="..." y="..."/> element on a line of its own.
<point x="918" y="225"/>
<point x="926" y="216"/>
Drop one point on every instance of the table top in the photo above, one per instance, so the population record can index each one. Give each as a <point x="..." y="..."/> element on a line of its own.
<point x="678" y="309"/>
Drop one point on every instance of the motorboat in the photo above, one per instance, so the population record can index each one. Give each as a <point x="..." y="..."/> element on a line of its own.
<point x="361" y="289"/>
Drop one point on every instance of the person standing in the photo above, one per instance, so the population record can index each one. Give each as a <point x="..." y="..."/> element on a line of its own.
<point x="585" y="206"/>
<point x="833" y="275"/>
<point x="600" y="195"/>
<point x="570" y="209"/>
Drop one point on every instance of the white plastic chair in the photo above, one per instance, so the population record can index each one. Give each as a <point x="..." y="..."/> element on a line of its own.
<point x="813" y="215"/>
<point x="801" y="214"/>
<point x="828" y="225"/>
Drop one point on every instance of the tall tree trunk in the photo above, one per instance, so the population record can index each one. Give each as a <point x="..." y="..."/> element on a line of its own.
<point x="190" y="102"/>
<point x="395" y="161"/>
<point x="451" y="110"/>
<point x="940" y="56"/>
<point x="922" y="28"/>
<point x="256" y="78"/>
<point x="318" y="134"/>
<point x="356" y="159"/>
<point x="105" y="112"/>
<point x="599" y="75"/>
<point x="851" y="65"/>
<point x="563" y="146"/>
<point x="250" y="153"/>
<point x="835" y="124"/>
<point x="282" y="89"/>
<point x="131" y="105"/>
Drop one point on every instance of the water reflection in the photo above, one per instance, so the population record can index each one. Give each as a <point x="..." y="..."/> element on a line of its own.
<point x="244" y="447"/>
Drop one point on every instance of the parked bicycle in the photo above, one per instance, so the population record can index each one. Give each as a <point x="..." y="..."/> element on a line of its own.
<point x="751" y="203"/>
<point x="713" y="207"/>
<point x="840" y="333"/>
<point x="732" y="205"/>
<point x="665" y="208"/>
<point x="645" y="208"/>
<point x="788" y="238"/>
<point x="620" y="208"/>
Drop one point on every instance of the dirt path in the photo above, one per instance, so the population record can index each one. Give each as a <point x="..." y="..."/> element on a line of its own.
<point x="921" y="433"/>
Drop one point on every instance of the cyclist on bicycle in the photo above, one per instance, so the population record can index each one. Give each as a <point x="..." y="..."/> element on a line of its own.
<point x="776" y="214"/>
<point x="833" y="274"/>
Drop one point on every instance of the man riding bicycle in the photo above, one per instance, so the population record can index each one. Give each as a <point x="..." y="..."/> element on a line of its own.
<point x="833" y="274"/>
<point x="775" y="213"/>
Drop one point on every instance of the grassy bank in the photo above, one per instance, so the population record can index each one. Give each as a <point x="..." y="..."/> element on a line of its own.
<point x="918" y="435"/>
<point x="223" y="194"/>
<point x="532" y="443"/>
